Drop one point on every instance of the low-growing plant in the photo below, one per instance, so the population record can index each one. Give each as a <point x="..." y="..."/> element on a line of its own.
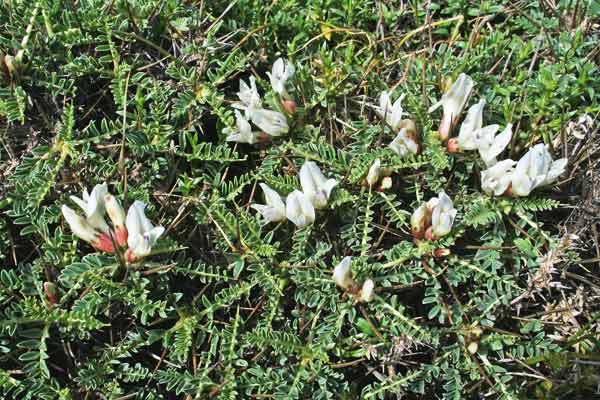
<point x="311" y="200"/>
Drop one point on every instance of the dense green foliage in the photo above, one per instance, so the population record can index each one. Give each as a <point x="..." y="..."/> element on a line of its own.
<point x="137" y="93"/>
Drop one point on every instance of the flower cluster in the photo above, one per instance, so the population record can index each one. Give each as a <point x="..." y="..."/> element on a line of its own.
<point x="342" y="276"/>
<point x="299" y="206"/>
<point x="535" y="169"/>
<point x="405" y="141"/>
<point x="434" y="218"/>
<point x="133" y="230"/>
<point x="271" y="123"/>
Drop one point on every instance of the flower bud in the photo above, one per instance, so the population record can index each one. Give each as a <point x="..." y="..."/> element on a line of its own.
<point x="342" y="274"/>
<point x="386" y="183"/>
<point x="374" y="173"/>
<point x="117" y="216"/>
<point x="289" y="106"/>
<point x="473" y="347"/>
<point x="366" y="292"/>
<point x="420" y="220"/>
<point x="11" y="65"/>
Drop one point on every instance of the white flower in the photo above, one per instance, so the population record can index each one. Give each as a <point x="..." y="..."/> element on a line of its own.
<point x="442" y="216"/>
<point x="491" y="146"/>
<point x="404" y="143"/>
<point x="453" y="103"/>
<point x="243" y="133"/>
<point x="472" y="122"/>
<point x="374" y="172"/>
<point x="342" y="273"/>
<point x="391" y="113"/>
<point x="299" y="209"/>
<point x="92" y="205"/>
<point x="117" y="217"/>
<point x="248" y="95"/>
<point x="536" y="168"/>
<point x="274" y="210"/>
<point x="142" y="234"/>
<point x="79" y="225"/>
<point x="81" y="228"/>
<point x="314" y="184"/>
<point x="496" y="179"/>
<point x="420" y="219"/>
<point x="366" y="292"/>
<point x="272" y="123"/>
<point x="282" y="71"/>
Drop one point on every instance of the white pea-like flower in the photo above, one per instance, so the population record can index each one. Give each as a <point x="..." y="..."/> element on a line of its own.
<point x="85" y="231"/>
<point x="281" y="71"/>
<point x="374" y="173"/>
<point x="404" y="143"/>
<point x="390" y="113"/>
<point x="535" y="169"/>
<point x="248" y="95"/>
<point x="442" y="217"/>
<point x="366" y="292"/>
<point x="453" y="102"/>
<point x="243" y="131"/>
<point x="274" y="210"/>
<point x="491" y="146"/>
<point x="420" y="219"/>
<point x="79" y="225"/>
<point x="271" y="122"/>
<point x="299" y="209"/>
<point x="342" y="274"/>
<point x="497" y="179"/>
<point x="472" y="122"/>
<point x="92" y="205"/>
<point x="142" y="234"/>
<point x="314" y="184"/>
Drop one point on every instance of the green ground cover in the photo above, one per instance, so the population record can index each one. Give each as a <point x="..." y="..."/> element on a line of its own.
<point x="491" y="295"/>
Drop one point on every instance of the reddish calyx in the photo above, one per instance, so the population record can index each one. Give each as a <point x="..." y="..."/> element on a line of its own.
<point x="104" y="243"/>
<point x="121" y="236"/>
<point x="441" y="252"/>
<point x="289" y="106"/>
<point x="452" y="146"/>
<point x="129" y="256"/>
<point x="429" y="234"/>
<point x="418" y="233"/>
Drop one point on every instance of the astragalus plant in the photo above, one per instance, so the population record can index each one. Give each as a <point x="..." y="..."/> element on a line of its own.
<point x="299" y="200"/>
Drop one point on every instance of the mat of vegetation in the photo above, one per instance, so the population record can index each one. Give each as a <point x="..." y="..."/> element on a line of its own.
<point x="233" y="154"/>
